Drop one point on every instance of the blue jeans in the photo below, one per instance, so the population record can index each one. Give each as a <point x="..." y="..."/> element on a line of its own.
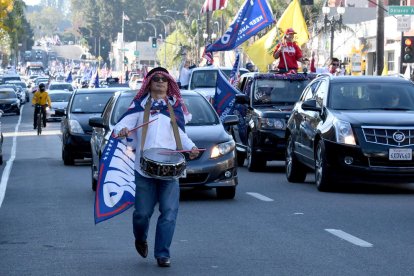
<point x="148" y="192"/>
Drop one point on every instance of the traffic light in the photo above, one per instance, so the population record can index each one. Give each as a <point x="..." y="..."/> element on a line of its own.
<point x="407" y="49"/>
<point x="154" y="42"/>
<point x="125" y="60"/>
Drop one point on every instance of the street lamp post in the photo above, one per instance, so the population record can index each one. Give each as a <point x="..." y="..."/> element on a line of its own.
<point x="165" y="36"/>
<point x="332" y="22"/>
<point x="155" y="30"/>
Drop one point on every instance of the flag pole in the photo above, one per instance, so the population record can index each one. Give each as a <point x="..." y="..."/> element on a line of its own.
<point x="122" y="45"/>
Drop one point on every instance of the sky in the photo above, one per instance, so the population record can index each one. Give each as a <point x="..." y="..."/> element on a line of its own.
<point x="32" y="2"/>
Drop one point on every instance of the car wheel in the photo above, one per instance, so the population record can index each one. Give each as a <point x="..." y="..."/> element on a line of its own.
<point x="226" y="192"/>
<point x="67" y="157"/>
<point x="94" y="181"/>
<point x="18" y="112"/>
<point x="295" y="171"/>
<point x="1" y="159"/>
<point x="322" y="173"/>
<point x="254" y="163"/>
<point x="241" y="156"/>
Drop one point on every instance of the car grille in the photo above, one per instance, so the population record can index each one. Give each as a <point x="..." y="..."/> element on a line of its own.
<point x="397" y="137"/>
<point x="382" y="162"/>
<point x="193" y="178"/>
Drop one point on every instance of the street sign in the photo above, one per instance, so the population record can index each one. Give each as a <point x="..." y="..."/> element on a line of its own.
<point x="401" y="10"/>
<point x="124" y="50"/>
<point x="136" y="53"/>
<point x="403" y="24"/>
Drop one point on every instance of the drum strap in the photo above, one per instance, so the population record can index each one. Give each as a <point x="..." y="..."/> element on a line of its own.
<point x="173" y="124"/>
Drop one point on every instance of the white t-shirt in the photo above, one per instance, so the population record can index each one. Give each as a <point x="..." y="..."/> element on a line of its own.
<point x="184" y="76"/>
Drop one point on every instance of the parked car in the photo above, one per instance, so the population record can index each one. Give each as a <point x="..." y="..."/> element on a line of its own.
<point x="1" y="140"/>
<point x="23" y="87"/>
<point x="352" y="129"/>
<point x="60" y="86"/>
<point x="9" y="102"/>
<point x="76" y="132"/>
<point x="59" y="100"/>
<point x="21" y="95"/>
<point x="203" y="79"/>
<point x="263" y="107"/>
<point x="214" y="168"/>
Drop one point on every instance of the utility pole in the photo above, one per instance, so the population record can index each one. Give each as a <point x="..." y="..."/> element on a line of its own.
<point x="380" y="37"/>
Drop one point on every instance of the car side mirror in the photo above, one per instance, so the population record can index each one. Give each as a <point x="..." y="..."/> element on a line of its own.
<point x="60" y="112"/>
<point x="97" y="122"/>
<point x="311" y="105"/>
<point x="230" y="120"/>
<point x="242" y="99"/>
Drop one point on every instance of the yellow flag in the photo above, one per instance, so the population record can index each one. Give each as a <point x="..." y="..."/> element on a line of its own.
<point x="261" y="51"/>
<point x="293" y="18"/>
<point x="385" y="69"/>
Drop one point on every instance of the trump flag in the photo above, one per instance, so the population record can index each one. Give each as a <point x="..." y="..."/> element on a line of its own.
<point x="225" y="96"/>
<point x="253" y="16"/>
<point x="115" y="191"/>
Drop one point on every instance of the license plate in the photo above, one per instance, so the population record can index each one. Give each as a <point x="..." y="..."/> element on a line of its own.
<point x="400" y="154"/>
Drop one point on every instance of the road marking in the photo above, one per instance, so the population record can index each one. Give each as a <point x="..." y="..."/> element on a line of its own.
<point x="349" y="238"/>
<point x="7" y="169"/>
<point x="32" y="133"/>
<point x="259" y="196"/>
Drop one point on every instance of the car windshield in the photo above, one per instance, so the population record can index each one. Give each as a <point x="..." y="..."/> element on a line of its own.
<point x="21" y="84"/>
<point x="364" y="96"/>
<point x="59" y="97"/>
<point x="207" y="78"/>
<point x="277" y="92"/>
<point x="200" y="110"/>
<point x="7" y="94"/>
<point x="90" y="102"/>
<point x="61" y="86"/>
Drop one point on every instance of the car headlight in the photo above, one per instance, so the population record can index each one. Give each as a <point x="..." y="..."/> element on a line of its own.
<point x="272" y="123"/>
<point x="75" y="127"/>
<point x="222" y="149"/>
<point x="344" y="133"/>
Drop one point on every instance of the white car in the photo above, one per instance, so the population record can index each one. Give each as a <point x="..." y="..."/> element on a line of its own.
<point x="203" y="79"/>
<point x="59" y="99"/>
<point x="60" y="86"/>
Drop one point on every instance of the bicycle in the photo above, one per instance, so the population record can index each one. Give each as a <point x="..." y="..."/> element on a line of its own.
<point x="39" y="119"/>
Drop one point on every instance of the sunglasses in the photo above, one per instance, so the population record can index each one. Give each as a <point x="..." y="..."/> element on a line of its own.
<point x="335" y="64"/>
<point x="158" y="79"/>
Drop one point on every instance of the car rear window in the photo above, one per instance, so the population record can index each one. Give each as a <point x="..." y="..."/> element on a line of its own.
<point x="61" y="87"/>
<point x="7" y="94"/>
<point x="59" y="97"/>
<point x="89" y="102"/>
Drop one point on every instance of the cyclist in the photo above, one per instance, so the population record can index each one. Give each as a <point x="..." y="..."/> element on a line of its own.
<point x="42" y="98"/>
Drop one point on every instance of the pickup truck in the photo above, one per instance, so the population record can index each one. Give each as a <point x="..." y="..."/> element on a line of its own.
<point x="203" y="79"/>
<point x="264" y="106"/>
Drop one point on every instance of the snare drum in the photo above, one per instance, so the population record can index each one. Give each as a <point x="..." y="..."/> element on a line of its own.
<point x="163" y="163"/>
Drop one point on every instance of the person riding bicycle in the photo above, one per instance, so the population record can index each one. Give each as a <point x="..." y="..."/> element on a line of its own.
<point x="41" y="97"/>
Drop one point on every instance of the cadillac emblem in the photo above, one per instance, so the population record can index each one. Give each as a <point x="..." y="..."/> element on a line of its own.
<point x="398" y="137"/>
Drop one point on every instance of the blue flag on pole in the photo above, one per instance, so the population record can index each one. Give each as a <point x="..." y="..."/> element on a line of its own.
<point x="115" y="191"/>
<point x="225" y="96"/>
<point x="69" y="77"/>
<point x="253" y="16"/>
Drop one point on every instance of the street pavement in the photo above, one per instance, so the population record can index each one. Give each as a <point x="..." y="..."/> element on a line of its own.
<point x="272" y="227"/>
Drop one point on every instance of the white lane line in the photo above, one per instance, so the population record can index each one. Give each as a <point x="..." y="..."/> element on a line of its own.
<point x="349" y="238"/>
<point x="259" y="196"/>
<point x="7" y="169"/>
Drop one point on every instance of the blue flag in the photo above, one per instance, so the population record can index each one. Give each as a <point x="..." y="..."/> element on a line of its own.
<point x="253" y="16"/>
<point x="69" y="77"/>
<point x="96" y="79"/>
<point x="225" y="96"/>
<point x="115" y="191"/>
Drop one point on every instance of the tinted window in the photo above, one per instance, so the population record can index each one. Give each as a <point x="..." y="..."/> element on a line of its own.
<point x="359" y="96"/>
<point x="61" y="86"/>
<point x="121" y="106"/>
<point x="201" y="111"/>
<point x="274" y="91"/>
<point x="89" y="103"/>
<point x="59" y="97"/>
<point x="207" y="78"/>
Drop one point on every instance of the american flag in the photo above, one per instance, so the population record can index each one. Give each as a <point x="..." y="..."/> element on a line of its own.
<point x="212" y="5"/>
<point x="235" y="72"/>
<point x="208" y="56"/>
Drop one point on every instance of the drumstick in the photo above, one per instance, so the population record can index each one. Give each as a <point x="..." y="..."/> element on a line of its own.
<point x="172" y="151"/>
<point x="137" y="127"/>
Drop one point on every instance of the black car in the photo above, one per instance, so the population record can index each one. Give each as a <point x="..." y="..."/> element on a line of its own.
<point x="214" y="168"/>
<point x="263" y="107"/>
<point x="76" y="132"/>
<point x="9" y="102"/>
<point x="352" y="129"/>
